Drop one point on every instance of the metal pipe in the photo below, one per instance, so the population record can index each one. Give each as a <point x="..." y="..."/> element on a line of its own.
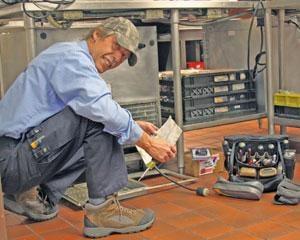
<point x="177" y="84"/>
<point x="270" y="107"/>
<point x="30" y="37"/>
<point x="183" y="53"/>
<point x="281" y="46"/>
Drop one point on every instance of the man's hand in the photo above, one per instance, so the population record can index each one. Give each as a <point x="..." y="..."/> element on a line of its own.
<point x="148" y="127"/>
<point x="158" y="148"/>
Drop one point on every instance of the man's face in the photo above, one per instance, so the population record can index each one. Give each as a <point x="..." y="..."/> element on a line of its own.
<point x="106" y="52"/>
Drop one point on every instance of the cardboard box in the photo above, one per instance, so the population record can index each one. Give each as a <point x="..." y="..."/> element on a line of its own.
<point x="220" y="164"/>
<point x="206" y="165"/>
<point x="191" y="167"/>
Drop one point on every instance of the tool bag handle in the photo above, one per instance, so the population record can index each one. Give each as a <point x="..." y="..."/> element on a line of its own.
<point x="231" y="160"/>
<point x="281" y="158"/>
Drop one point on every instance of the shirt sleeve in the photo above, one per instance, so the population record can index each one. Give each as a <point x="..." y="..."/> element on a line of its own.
<point x="77" y="83"/>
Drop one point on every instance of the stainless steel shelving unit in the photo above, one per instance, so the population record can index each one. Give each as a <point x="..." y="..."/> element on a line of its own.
<point x="278" y="5"/>
<point x="15" y="11"/>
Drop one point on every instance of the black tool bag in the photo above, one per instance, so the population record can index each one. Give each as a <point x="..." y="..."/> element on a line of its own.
<point x="267" y="159"/>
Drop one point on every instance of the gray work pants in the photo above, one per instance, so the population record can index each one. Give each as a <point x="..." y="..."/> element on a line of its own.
<point x="74" y="144"/>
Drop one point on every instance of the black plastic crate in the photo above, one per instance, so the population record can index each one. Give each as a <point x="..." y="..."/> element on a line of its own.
<point x="288" y="112"/>
<point x="215" y="77"/>
<point x="218" y="112"/>
<point x="208" y="100"/>
<point x="212" y="111"/>
<point x="211" y="95"/>
<point x="207" y="92"/>
<point x="209" y="84"/>
<point x="211" y="89"/>
<point x="218" y="99"/>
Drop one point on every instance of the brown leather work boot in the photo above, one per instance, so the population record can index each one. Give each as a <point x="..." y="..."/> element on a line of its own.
<point x="30" y="204"/>
<point x="110" y="217"/>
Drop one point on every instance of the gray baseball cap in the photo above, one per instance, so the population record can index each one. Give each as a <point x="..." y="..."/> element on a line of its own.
<point x="127" y="35"/>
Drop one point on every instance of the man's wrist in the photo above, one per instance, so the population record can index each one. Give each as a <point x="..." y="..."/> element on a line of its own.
<point x="144" y="141"/>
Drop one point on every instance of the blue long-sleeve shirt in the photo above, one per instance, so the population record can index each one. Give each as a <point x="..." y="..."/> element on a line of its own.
<point x="63" y="75"/>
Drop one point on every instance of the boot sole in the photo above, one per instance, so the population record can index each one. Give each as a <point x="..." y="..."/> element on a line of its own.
<point x="102" y="232"/>
<point x="39" y="217"/>
<point x="13" y="206"/>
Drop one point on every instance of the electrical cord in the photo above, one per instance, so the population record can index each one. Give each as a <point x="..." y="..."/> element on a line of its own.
<point x="261" y="70"/>
<point x="57" y="24"/>
<point x="259" y="55"/>
<point x="61" y="2"/>
<point x="199" y="191"/>
<point x="290" y="21"/>
<point x="45" y="13"/>
<point x="257" y="63"/>
<point x="261" y="52"/>
<point x="249" y="39"/>
<point x="62" y="25"/>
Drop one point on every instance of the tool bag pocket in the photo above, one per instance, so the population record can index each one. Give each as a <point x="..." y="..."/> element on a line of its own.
<point x="36" y="141"/>
<point x="261" y="158"/>
<point x="47" y="139"/>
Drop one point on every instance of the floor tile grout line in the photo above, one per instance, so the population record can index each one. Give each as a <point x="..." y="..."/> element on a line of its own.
<point x="40" y="234"/>
<point x="26" y="235"/>
<point x="290" y="226"/>
<point x="73" y="226"/>
<point x="245" y="229"/>
<point x="70" y="223"/>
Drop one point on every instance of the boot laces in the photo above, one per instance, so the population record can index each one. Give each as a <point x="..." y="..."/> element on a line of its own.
<point x="129" y="211"/>
<point x="44" y="199"/>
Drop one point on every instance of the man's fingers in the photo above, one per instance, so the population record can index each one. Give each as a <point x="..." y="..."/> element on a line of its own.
<point x="153" y="126"/>
<point x="173" y="149"/>
<point x="166" y="159"/>
<point x="170" y="154"/>
<point x="161" y="150"/>
<point x="153" y="129"/>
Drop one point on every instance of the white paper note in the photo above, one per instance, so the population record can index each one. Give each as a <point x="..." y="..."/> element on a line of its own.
<point x="169" y="131"/>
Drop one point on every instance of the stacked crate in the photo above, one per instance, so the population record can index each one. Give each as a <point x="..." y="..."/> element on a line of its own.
<point x="210" y="94"/>
<point x="147" y="111"/>
<point x="287" y="104"/>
